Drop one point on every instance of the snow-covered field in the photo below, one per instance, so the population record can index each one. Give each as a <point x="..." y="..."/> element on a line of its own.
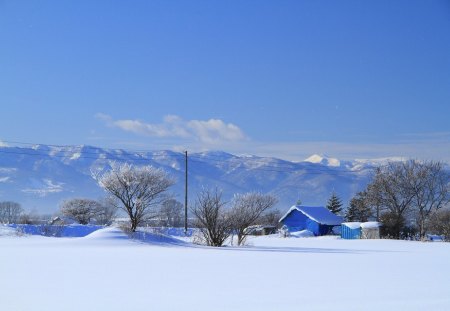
<point x="107" y="271"/>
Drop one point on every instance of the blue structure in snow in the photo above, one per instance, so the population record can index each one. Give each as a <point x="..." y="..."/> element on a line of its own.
<point x="317" y="219"/>
<point x="351" y="230"/>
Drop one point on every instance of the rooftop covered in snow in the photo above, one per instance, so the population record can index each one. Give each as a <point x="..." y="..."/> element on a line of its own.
<point x="319" y="214"/>
<point x="352" y="225"/>
<point x="370" y="225"/>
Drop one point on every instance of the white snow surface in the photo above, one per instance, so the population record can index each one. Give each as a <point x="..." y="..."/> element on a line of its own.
<point x="108" y="271"/>
<point x="352" y="225"/>
<point x="301" y="234"/>
<point x="370" y="225"/>
<point x="7" y="231"/>
<point x="319" y="214"/>
<point x="75" y="156"/>
<point x="324" y="160"/>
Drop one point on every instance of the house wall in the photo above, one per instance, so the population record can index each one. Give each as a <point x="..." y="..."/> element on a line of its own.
<point x="325" y="229"/>
<point x="297" y="221"/>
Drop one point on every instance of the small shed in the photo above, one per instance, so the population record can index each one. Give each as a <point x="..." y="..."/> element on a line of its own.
<point x="317" y="219"/>
<point x="360" y="230"/>
<point x="370" y="230"/>
<point x="351" y="230"/>
<point x="260" y="230"/>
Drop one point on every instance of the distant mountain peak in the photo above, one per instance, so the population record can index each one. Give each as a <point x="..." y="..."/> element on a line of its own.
<point x="216" y="154"/>
<point x="42" y="176"/>
<point x="324" y="160"/>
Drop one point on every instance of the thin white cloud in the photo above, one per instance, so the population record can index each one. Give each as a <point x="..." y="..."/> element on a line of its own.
<point x="7" y="169"/>
<point x="211" y="132"/>
<point x="104" y="117"/>
<point x="48" y="187"/>
<point x="215" y="130"/>
<point x="214" y="134"/>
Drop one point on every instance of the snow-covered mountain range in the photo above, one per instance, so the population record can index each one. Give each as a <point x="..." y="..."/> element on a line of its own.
<point x="40" y="177"/>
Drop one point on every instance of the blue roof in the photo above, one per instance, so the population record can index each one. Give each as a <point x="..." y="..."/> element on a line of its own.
<point x="319" y="214"/>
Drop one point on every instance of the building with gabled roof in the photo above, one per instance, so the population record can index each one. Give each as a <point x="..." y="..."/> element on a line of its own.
<point x="360" y="230"/>
<point x="317" y="219"/>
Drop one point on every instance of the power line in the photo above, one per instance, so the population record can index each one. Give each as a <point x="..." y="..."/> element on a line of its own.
<point x="199" y="158"/>
<point x="283" y="168"/>
<point x="84" y="146"/>
<point x="65" y="156"/>
<point x="304" y="171"/>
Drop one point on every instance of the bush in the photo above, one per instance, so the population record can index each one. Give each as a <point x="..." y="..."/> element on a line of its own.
<point x="439" y="223"/>
<point x="81" y="210"/>
<point x="212" y="221"/>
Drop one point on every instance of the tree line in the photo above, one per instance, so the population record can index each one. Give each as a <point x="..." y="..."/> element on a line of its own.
<point x="138" y="190"/>
<point x="141" y="192"/>
<point x="410" y="199"/>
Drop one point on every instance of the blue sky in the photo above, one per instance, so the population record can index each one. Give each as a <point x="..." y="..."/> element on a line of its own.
<point x="351" y="79"/>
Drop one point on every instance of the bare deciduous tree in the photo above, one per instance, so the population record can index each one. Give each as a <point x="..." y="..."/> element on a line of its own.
<point x="431" y="190"/>
<point x="408" y="188"/>
<point x="10" y="212"/>
<point x="271" y="217"/>
<point x="210" y="217"/>
<point x="138" y="189"/>
<point x="171" y="213"/>
<point x="106" y="211"/>
<point x="373" y="199"/>
<point x="439" y="223"/>
<point x="80" y="209"/>
<point x="390" y="188"/>
<point x="247" y="209"/>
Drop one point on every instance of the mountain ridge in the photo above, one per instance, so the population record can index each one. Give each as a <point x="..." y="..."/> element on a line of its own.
<point x="41" y="176"/>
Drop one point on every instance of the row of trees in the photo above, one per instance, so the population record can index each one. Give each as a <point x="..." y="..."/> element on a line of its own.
<point x="81" y="210"/>
<point x="10" y="212"/>
<point x="216" y="223"/>
<point x="400" y="193"/>
<point x="408" y="198"/>
<point x="86" y="210"/>
<point x="138" y="191"/>
<point x="103" y="212"/>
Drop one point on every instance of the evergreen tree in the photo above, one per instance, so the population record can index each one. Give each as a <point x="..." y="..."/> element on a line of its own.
<point x="351" y="212"/>
<point x="358" y="210"/>
<point x="334" y="204"/>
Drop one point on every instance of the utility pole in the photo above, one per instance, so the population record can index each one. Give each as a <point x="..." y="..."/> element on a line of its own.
<point x="185" y="192"/>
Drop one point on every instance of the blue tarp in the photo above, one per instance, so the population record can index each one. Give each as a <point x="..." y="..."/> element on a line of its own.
<point x="319" y="220"/>
<point x="351" y="230"/>
<point x="71" y="231"/>
<point x="319" y="214"/>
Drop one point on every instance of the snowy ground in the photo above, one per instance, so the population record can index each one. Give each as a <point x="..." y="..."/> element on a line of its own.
<point x="108" y="271"/>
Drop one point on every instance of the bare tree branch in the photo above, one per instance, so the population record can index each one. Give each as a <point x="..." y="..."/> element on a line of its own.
<point x="80" y="209"/>
<point x="211" y="219"/>
<point x="247" y="209"/>
<point x="139" y="189"/>
<point x="10" y="212"/>
<point x="409" y="188"/>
